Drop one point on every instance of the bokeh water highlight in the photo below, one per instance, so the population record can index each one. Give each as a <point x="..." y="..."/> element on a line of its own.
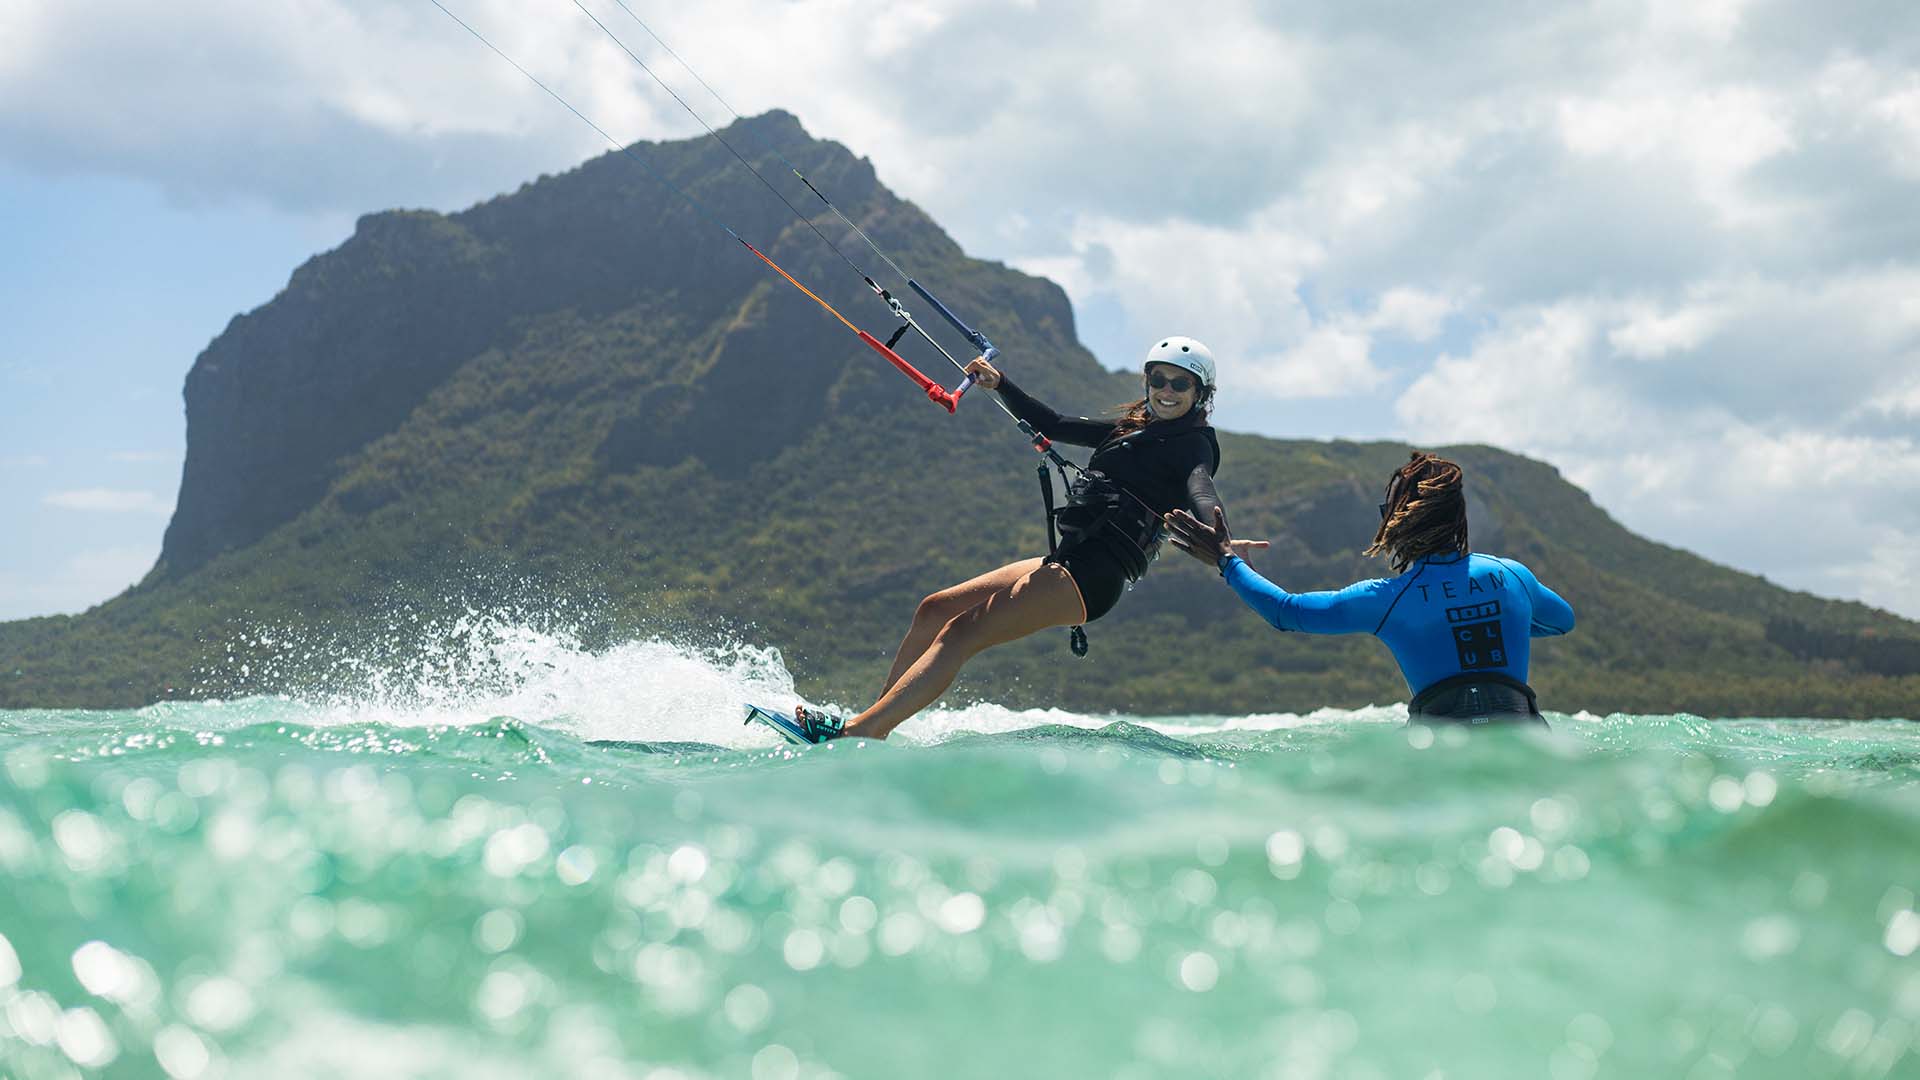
<point x="588" y="867"/>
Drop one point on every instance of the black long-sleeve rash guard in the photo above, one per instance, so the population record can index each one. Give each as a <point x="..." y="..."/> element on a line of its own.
<point x="1169" y="464"/>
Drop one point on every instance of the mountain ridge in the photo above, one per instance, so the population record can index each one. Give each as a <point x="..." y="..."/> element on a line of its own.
<point x="570" y="401"/>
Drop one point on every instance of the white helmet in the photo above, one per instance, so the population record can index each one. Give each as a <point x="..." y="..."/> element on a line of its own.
<point x="1183" y="352"/>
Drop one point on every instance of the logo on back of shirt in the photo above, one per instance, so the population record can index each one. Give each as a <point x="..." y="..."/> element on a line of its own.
<point x="1476" y="635"/>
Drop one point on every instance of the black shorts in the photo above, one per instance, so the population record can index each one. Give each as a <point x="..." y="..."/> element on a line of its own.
<point x="1098" y="572"/>
<point x="1474" y="700"/>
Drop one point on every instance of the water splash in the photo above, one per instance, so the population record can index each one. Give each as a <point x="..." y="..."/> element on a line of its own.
<point x="485" y="665"/>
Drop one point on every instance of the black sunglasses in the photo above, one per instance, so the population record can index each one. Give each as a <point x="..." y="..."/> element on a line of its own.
<point x="1180" y="383"/>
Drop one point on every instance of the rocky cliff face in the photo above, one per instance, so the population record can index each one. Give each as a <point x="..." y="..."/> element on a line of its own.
<point x="339" y="358"/>
<point x="361" y="334"/>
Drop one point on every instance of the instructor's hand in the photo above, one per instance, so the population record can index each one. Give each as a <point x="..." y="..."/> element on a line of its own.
<point x="1208" y="543"/>
<point x="1246" y="548"/>
<point x="984" y="374"/>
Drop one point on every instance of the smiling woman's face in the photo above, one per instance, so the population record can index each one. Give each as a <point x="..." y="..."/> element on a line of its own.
<point x="1167" y="401"/>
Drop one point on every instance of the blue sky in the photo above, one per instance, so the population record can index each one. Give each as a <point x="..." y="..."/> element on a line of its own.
<point x="111" y="292"/>
<point x="1666" y="247"/>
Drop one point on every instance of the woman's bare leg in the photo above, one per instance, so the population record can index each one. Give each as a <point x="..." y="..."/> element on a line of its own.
<point x="1042" y="597"/>
<point x="939" y="609"/>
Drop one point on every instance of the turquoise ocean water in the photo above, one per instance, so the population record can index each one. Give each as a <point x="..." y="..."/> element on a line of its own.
<point x="591" y="869"/>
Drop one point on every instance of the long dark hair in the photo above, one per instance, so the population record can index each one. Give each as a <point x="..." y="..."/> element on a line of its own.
<point x="1425" y="512"/>
<point x="1134" y="415"/>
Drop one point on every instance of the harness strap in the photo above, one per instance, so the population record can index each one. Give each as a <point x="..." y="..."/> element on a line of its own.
<point x="1046" y="499"/>
<point x="1472" y="680"/>
<point x="1077" y="639"/>
<point x="1104" y="522"/>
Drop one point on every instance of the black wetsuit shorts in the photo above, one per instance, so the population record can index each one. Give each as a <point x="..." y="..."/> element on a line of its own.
<point x="1097" y="571"/>
<point x="1474" y="700"/>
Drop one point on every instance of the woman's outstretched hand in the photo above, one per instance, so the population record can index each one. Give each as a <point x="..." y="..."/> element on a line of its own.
<point x="985" y="375"/>
<point x="1208" y="543"/>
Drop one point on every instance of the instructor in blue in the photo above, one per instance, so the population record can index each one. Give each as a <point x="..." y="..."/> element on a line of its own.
<point x="1460" y="623"/>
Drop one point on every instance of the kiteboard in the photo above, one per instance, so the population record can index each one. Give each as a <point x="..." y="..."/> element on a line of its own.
<point x="790" y="728"/>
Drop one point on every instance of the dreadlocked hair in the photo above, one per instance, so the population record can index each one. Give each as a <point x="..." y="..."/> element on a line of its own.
<point x="1426" y="512"/>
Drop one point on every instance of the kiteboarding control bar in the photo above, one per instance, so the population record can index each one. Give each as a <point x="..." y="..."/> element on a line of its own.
<point x="987" y="351"/>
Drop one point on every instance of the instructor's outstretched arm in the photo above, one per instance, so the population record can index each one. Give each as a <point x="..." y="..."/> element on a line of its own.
<point x="1352" y="610"/>
<point x="1208" y="543"/>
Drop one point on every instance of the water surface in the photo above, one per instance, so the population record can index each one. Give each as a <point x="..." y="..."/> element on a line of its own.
<point x="591" y="869"/>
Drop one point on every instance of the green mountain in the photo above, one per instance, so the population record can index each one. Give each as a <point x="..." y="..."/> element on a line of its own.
<point x="582" y="405"/>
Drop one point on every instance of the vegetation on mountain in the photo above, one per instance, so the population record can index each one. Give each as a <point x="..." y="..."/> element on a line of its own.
<point x="581" y="408"/>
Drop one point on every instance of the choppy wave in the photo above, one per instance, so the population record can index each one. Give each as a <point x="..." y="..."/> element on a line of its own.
<point x="579" y="863"/>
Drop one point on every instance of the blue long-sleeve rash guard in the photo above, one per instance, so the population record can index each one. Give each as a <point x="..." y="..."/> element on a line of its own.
<point x="1445" y="616"/>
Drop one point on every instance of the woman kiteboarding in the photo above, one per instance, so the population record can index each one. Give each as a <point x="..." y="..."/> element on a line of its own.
<point x="1158" y="456"/>
<point x="1459" y="623"/>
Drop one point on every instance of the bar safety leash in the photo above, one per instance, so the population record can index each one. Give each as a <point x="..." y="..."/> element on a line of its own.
<point x="1077" y="640"/>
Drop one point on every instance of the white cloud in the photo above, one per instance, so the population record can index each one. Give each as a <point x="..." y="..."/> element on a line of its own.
<point x="1412" y="313"/>
<point x="1235" y="289"/>
<point x="1900" y="402"/>
<point x="1527" y="383"/>
<point x="24" y="461"/>
<point x="1813" y="511"/>
<point x="109" y="501"/>
<point x="1649" y="333"/>
<point x="1329" y="361"/>
<point x="1666" y="245"/>
<point x="1883" y="104"/>
<point x="1900" y="111"/>
<point x="75" y="583"/>
<point x="1717" y="136"/>
<point x="1713" y="20"/>
<point x="1815" y="508"/>
<point x="20" y="28"/>
<point x="111" y="569"/>
<point x="1793" y="461"/>
<point x="1887" y="569"/>
<point x="1333" y="356"/>
<point x="328" y="105"/>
